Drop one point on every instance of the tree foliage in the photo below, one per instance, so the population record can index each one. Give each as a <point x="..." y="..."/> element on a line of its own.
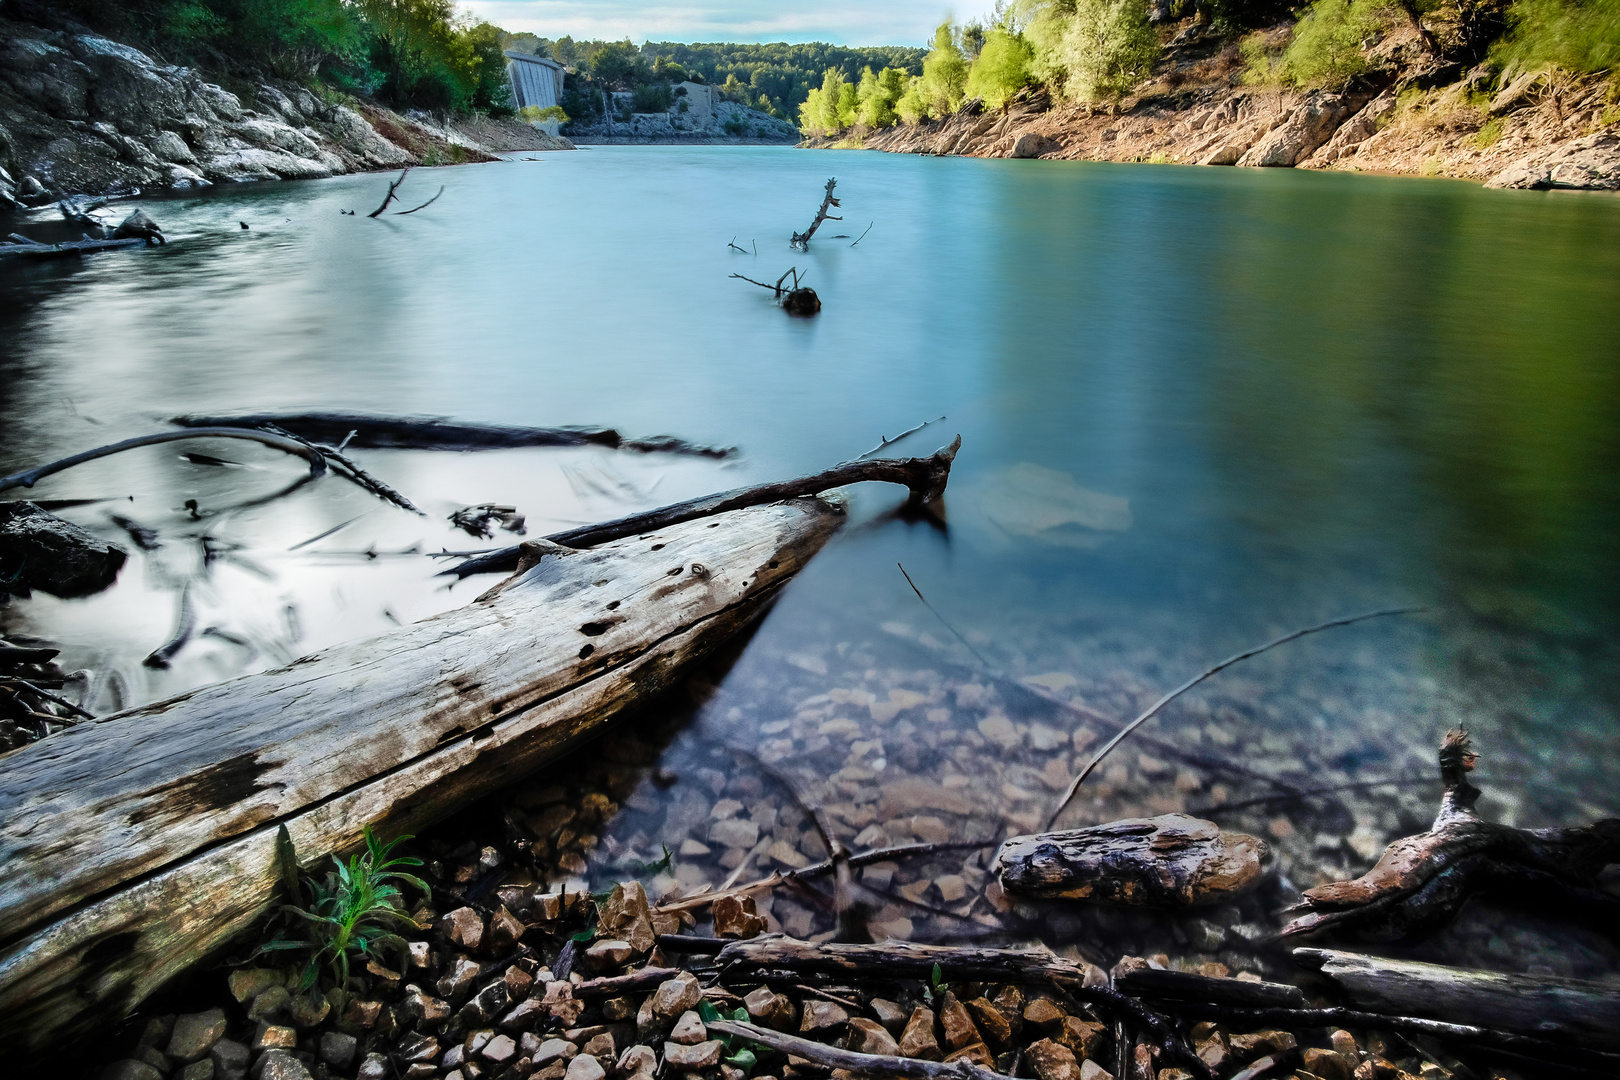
<point x="1092" y="50"/>
<point x="1002" y="69"/>
<point x="1577" y="35"/>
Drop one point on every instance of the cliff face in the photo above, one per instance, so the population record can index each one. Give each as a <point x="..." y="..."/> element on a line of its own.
<point x="1420" y="121"/>
<point x="80" y="114"/>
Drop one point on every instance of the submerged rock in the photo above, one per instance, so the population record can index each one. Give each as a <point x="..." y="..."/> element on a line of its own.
<point x="39" y="550"/>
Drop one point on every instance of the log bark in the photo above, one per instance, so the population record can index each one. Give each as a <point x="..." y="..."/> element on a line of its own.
<point x="1585" y="1013"/>
<point x="925" y="477"/>
<point x="1169" y="861"/>
<point x="133" y="845"/>
<point x="438" y="433"/>
<point x="1421" y="881"/>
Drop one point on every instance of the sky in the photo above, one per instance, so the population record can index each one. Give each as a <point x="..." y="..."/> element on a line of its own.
<point x="841" y="22"/>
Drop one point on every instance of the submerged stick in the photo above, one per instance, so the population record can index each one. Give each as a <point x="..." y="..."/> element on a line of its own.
<point x="36" y="691"/>
<point x="802" y="240"/>
<point x="28" y="478"/>
<point x="884" y="443"/>
<point x="425" y="205"/>
<point x="1153" y="709"/>
<point x="925" y="477"/>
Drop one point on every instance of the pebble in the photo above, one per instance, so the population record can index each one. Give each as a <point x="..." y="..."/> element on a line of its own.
<point x="247" y="983"/>
<point x="677" y="995"/>
<point x="1261" y="1043"/>
<point x="504" y="931"/>
<point x="821" y="1018"/>
<point x="688" y="1030"/>
<point x="338" y="1049"/>
<point x="280" y="1065"/>
<point x="608" y="954"/>
<point x="553" y="1050"/>
<point x="194" y="1034"/>
<point x="870" y="1037"/>
<point x="704" y="1055"/>
<point x="770" y="1009"/>
<point x="275" y="1037"/>
<point x="1052" y="1061"/>
<point x="889" y="1014"/>
<point x="197" y="1070"/>
<point x="375" y="1067"/>
<point x="1328" y="1064"/>
<point x="1090" y="1070"/>
<point x="734" y="833"/>
<point x="638" y="1060"/>
<point x="691" y="849"/>
<point x="957" y="1024"/>
<point x="585" y="1067"/>
<point x="130" y="1069"/>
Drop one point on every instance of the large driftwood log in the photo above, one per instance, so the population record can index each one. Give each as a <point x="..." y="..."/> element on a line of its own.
<point x="1168" y="861"/>
<point x="1564" y="1009"/>
<point x="1421" y="881"/>
<point x="438" y="433"/>
<point x="925" y="477"/>
<point x="132" y="845"/>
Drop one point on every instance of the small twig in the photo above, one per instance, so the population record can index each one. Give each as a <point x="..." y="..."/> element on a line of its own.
<point x="876" y="1064"/>
<point x="185" y="623"/>
<point x="861" y="237"/>
<point x="371" y="483"/>
<point x="734" y="247"/>
<point x="32" y="689"/>
<point x="1194" y="681"/>
<point x="884" y="443"/>
<point x="425" y="205"/>
<point x="392" y="187"/>
<point x="324" y="535"/>
<point x="802" y="240"/>
<point x="941" y="618"/>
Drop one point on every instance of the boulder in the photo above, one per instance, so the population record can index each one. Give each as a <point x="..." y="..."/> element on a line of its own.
<point x="1356" y="130"/>
<point x="1311" y="123"/>
<point x="41" y="551"/>
<point x="1032" y="145"/>
<point x="1591" y="163"/>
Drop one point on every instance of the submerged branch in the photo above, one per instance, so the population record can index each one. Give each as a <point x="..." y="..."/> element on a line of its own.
<point x="28" y="478"/>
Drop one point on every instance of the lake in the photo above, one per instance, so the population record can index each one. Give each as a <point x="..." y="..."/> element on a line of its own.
<point x="1199" y="408"/>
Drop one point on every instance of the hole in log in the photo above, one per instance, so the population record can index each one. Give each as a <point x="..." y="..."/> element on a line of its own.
<point x="773" y="564"/>
<point x="613" y="605"/>
<point x="658" y="547"/>
<point x="586" y="650"/>
<point x="601" y="583"/>
<point x="675" y="571"/>
<point x="594" y="629"/>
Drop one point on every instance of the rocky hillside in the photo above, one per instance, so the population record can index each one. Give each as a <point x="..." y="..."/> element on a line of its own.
<point x="80" y="114"/>
<point x="1538" y="131"/>
<point x="716" y="122"/>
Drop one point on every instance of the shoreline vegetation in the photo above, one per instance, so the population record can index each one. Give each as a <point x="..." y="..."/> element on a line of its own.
<point x="1521" y="94"/>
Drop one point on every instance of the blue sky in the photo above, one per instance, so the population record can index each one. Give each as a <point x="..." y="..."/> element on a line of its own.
<point x="842" y="22"/>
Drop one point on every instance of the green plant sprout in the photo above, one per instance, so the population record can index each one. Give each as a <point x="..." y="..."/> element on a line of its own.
<point x="349" y="912"/>
<point x="744" y="1057"/>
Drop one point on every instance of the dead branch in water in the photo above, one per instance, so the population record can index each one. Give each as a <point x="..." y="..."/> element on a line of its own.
<point x="884" y="443"/>
<point x="365" y="431"/>
<point x="924" y="477"/>
<point x="425" y="205"/>
<point x="734" y="247"/>
<point x="1153" y="709"/>
<point x="28" y="478"/>
<point x="1421" y="881"/>
<point x="185" y="623"/>
<point x="392" y="188"/>
<point x="802" y="240"/>
<point x="355" y="473"/>
<point x="861" y="237"/>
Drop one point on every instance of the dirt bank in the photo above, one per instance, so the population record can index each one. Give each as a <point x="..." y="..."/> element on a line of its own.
<point x="1416" y="117"/>
<point x="80" y="114"/>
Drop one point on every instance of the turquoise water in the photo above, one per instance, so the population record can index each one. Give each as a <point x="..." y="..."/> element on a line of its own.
<point x="1199" y="407"/>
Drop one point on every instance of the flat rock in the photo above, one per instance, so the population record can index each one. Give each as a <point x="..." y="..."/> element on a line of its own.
<point x="554" y="1050"/>
<point x="1591" y="162"/>
<point x="677" y="995"/>
<point x="585" y="1067"/>
<point x="704" y="1055"/>
<point x="1169" y="861"/>
<point x="1052" y="1061"/>
<point x="688" y="1030"/>
<point x="918" y="1040"/>
<point x="821" y="1018"/>
<point x="870" y="1037"/>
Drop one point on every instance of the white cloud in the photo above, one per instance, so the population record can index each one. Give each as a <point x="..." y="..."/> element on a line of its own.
<point x="842" y="22"/>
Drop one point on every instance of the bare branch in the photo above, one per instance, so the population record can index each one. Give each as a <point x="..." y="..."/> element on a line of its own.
<point x="425" y="205"/>
<point x="802" y="240"/>
<point x="392" y="187"/>
<point x="317" y="464"/>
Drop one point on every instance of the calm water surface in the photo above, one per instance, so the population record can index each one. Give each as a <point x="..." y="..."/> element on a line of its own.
<point x="1199" y="407"/>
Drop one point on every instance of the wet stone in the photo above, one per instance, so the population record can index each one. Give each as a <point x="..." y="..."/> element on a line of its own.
<point x="247" y="983"/>
<point x="770" y="1009"/>
<point x="1084" y="1037"/>
<point x="1052" y="1061"/>
<point x="504" y="931"/>
<point x="195" y="1034"/>
<point x="638" y="1060"/>
<point x="375" y="1067"/>
<point x="463" y="927"/>
<point x="414" y="1047"/>
<point x="157" y="1030"/>
<point x="458" y="981"/>
<point x="608" y="955"/>
<point x="1328" y="1064"/>
<point x="585" y="1067"/>
<point x="890" y="1015"/>
<point x="677" y="995"/>
<point x="271" y="1003"/>
<point x="155" y="1058"/>
<point x="958" y="1026"/>
<point x="1261" y="1044"/>
<point x="870" y="1037"/>
<point x="918" y="1040"/>
<point x="230" y="1058"/>
<point x="821" y="1018"/>
<point x="280" y="1065"/>
<point x="275" y="1037"/>
<point x="338" y="1049"/>
<point x="197" y="1070"/>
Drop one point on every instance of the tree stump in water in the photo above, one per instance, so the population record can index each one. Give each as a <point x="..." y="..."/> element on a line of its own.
<point x="801" y="302"/>
<point x="1167" y="861"/>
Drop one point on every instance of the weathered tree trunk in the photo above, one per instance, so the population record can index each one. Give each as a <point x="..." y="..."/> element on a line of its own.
<point x="135" y="844"/>
<point x="1585" y="1013"/>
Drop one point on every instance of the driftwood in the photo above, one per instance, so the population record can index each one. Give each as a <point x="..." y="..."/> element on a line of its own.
<point x="135" y="844"/>
<point x="1421" y="881"/>
<point x="425" y="205"/>
<point x="862" y="1064"/>
<point x="894" y="960"/>
<point x="1166" y="862"/>
<point x="437" y="433"/>
<point x="1570" y="1010"/>
<point x="30" y="477"/>
<point x="1136" y="977"/>
<point x="925" y="477"/>
<point x="393" y="186"/>
<point x="350" y="469"/>
<point x="799" y="300"/>
<point x="802" y="240"/>
<point x="34" y="249"/>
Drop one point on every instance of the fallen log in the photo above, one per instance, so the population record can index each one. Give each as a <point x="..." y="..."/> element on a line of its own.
<point x="1168" y="861"/>
<point x="438" y="433"/>
<point x="36" y="250"/>
<point x="925" y="477"/>
<point x="1421" y="881"/>
<point x="1566" y="1010"/>
<point x="133" y="845"/>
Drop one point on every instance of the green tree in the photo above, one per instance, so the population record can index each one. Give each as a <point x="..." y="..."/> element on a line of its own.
<point x="613" y="64"/>
<point x="1092" y="49"/>
<point x="945" y="73"/>
<point x="1326" y="50"/>
<point x="1577" y="35"/>
<point x="1002" y="69"/>
<point x="876" y="96"/>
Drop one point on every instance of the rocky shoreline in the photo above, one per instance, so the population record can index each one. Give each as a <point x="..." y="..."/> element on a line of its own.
<point x="1415" y="120"/>
<point x="84" y="115"/>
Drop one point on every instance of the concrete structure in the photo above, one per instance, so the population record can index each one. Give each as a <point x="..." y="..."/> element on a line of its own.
<point x="536" y="80"/>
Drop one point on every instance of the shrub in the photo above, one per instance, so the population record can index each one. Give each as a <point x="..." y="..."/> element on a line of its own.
<point x="1002" y="68"/>
<point x="650" y="98"/>
<point x="533" y="113"/>
<point x="1326" y="51"/>
<point x="911" y="107"/>
<point x="945" y="73"/>
<point x="1093" y="49"/>
<point x="1577" y="35"/>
